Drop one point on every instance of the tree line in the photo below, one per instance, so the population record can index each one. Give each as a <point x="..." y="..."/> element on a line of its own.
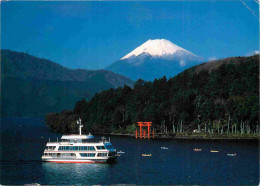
<point x="211" y="99"/>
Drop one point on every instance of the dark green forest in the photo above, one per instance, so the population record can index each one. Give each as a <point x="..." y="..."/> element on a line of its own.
<point x="32" y="86"/>
<point x="218" y="97"/>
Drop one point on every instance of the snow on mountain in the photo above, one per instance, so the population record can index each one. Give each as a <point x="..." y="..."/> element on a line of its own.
<point x="158" y="48"/>
<point x="154" y="59"/>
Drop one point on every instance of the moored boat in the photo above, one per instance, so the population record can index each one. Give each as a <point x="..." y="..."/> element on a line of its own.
<point x="164" y="148"/>
<point x="146" y="154"/>
<point x="232" y="154"/>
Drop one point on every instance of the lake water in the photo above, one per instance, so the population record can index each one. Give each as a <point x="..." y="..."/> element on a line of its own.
<point x="23" y="141"/>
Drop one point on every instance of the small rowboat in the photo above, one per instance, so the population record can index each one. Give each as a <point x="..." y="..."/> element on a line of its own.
<point x="232" y="154"/>
<point x="197" y="149"/>
<point x="165" y="148"/>
<point x="214" y="151"/>
<point x="146" y="154"/>
<point x="120" y="152"/>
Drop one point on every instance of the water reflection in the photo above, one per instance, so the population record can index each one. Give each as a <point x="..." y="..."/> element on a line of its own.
<point x="75" y="173"/>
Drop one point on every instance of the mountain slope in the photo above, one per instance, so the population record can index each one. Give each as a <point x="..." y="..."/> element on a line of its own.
<point x="155" y="59"/>
<point x="208" y="97"/>
<point x="22" y="65"/>
<point x="32" y="86"/>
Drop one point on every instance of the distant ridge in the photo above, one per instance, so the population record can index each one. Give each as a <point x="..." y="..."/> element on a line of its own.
<point x="212" y="65"/>
<point x="23" y="65"/>
<point x="32" y="86"/>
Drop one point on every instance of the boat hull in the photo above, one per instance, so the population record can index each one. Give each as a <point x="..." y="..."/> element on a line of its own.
<point x="60" y="160"/>
<point x="74" y="161"/>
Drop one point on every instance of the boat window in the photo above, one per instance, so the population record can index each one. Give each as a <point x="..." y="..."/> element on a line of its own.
<point x="101" y="147"/>
<point x="86" y="148"/>
<point x="53" y="154"/>
<point x="102" y="154"/>
<point x="81" y="148"/>
<point x="51" y="147"/>
<point x="87" y="154"/>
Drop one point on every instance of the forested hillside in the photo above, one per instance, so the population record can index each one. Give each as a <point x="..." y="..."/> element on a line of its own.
<point x="219" y="96"/>
<point x="31" y="86"/>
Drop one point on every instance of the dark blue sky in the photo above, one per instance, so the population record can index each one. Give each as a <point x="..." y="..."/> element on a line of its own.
<point x="93" y="35"/>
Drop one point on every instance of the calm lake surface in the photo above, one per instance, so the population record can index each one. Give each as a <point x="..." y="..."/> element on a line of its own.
<point x="23" y="141"/>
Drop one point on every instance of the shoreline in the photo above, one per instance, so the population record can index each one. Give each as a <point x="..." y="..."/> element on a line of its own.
<point x="192" y="137"/>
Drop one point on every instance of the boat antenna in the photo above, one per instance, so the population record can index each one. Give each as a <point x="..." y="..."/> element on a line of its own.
<point x="80" y="126"/>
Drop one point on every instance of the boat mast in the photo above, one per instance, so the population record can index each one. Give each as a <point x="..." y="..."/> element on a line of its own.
<point x="79" y="123"/>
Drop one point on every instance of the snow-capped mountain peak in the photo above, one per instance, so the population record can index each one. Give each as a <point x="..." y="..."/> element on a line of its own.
<point x="157" y="48"/>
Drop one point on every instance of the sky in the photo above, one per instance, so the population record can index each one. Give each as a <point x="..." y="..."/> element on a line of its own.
<point x="93" y="35"/>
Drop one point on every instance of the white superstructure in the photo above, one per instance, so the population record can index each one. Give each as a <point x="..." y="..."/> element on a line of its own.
<point x="78" y="149"/>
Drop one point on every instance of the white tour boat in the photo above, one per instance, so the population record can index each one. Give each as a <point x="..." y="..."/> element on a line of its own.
<point x="79" y="149"/>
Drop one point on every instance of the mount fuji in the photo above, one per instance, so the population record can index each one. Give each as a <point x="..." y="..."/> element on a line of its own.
<point x="155" y="59"/>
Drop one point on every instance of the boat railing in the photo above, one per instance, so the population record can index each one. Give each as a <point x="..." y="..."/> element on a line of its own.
<point x="68" y="143"/>
<point x="68" y="135"/>
<point x="50" y="149"/>
<point x="59" y="157"/>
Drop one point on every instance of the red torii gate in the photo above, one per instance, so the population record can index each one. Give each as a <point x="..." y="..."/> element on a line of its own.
<point x="144" y="124"/>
